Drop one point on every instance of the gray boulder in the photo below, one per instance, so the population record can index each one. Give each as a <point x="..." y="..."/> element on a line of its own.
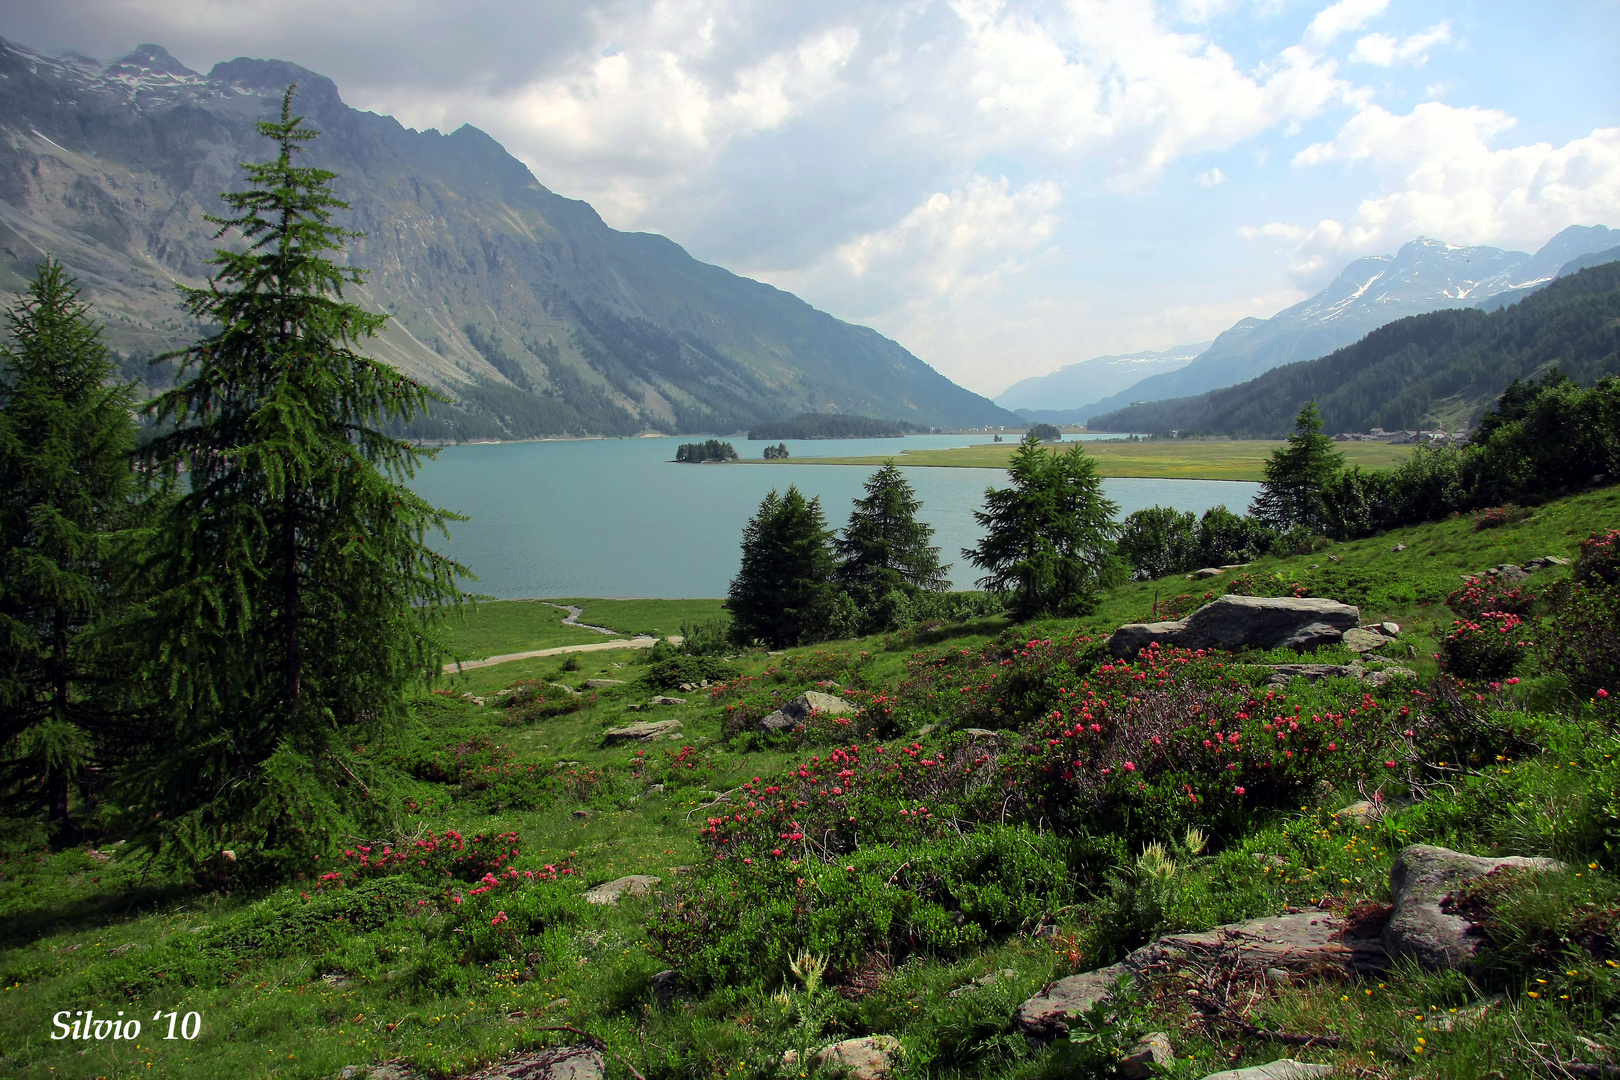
<point x="1300" y="941"/>
<point x="871" y="1057"/>
<point x="795" y="711"/>
<point x="1420" y="880"/>
<point x="603" y="684"/>
<point x="646" y="731"/>
<point x="1153" y="1055"/>
<point x="1238" y="622"/>
<point x="1286" y="1069"/>
<point x="609" y="892"/>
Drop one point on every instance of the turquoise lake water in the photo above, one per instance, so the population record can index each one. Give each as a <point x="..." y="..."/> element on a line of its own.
<point x="617" y="517"/>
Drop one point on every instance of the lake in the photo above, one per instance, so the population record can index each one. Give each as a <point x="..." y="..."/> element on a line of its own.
<point x="617" y="518"/>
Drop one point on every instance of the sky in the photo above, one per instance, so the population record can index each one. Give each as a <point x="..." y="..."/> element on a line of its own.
<point x="1003" y="187"/>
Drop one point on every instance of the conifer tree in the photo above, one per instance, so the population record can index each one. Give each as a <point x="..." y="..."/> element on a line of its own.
<point x="295" y="593"/>
<point x="783" y="593"/>
<point x="1291" y="494"/>
<point x="66" y="492"/>
<point x="1049" y="538"/>
<point x="885" y="548"/>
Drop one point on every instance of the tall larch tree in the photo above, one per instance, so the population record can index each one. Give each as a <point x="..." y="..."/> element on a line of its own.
<point x="67" y="496"/>
<point x="783" y="592"/>
<point x="885" y="549"/>
<point x="296" y="595"/>
<point x="1291" y="494"/>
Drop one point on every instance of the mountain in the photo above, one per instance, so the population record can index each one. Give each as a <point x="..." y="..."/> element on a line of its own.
<point x="1425" y="275"/>
<point x="1440" y="370"/>
<point x="519" y="304"/>
<point x="1077" y="385"/>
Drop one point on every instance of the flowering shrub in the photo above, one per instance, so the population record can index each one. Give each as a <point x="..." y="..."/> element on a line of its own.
<point x="1581" y="639"/>
<point x="1004" y="684"/>
<point x="1179" y="607"/>
<point x="1494" y="517"/>
<point x="1598" y="564"/>
<point x="533" y="699"/>
<point x="1480" y="594"/>
<point x="434" y="859"/>
<point x="1489" y="647"/>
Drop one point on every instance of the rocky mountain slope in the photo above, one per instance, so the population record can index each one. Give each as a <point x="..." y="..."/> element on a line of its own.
<point x="1424" y="276"/>
<point x="518" y="303"/>
<point x="1439" y="370"/>
<point x="1049" y="397"/>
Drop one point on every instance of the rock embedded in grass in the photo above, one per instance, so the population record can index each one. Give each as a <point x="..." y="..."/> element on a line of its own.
<point x="1149" y="1057"/>
<point x="1284" y="1069"/>
<point x="1239" y="622"/>
<point x="1421" y="879"/>
<point x="603" y="684"/>
<point x="611" y="892"/>
<point x="553" y="1063"/>
<point x="871" y="1057"/>
<point x="646" y="731"/>
<point x="795" y="711"/>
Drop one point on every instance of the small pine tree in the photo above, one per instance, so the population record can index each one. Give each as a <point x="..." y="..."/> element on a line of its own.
<point x="885" y="549"/>
<point x="295" y="596"/>
<point x="1049" y="539"/>
<point x="66" y="493"/>
<point x="1291" y="495"/>
<point x="783" y="592"/>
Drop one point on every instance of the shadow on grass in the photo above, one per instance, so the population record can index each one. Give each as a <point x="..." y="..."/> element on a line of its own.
<point x="25" y="927"/>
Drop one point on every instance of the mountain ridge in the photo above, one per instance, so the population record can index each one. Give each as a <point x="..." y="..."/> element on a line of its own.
<point x="1442" y="369"/>
<point x="1076" y="385"/>
<point x="585" y="329"/>
<point x="1423" y="275"/>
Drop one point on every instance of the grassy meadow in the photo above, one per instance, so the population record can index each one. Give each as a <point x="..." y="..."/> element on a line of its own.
<point x="306" y="979"/>
<point x="1170" y="459"/>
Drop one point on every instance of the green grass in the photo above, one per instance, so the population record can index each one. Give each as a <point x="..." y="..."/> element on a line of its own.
<point x="498" y="627"/>
<point x="656" y="617"/>
<point x="100" y="928"/>
<point x="1195" y="459"/>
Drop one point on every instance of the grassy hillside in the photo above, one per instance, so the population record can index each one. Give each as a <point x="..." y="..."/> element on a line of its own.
<point x="1170" y="459"/>
<point x="1441" y="370"/>
<point x="304" y="980"/>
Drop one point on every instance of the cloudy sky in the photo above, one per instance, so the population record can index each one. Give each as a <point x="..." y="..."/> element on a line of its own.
<point x="1003" y="187"/>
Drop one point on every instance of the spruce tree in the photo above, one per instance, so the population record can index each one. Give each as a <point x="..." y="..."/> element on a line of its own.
<point x="296" y="596"/>
<point x="1049" y="538"/>
<point x="783" y="594"/>
<point x="1291" y="495"/>
<point x="885" y="549"/>
<point x="67" y="492"/>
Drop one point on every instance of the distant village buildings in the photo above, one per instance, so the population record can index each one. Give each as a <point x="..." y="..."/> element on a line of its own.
<point x="1404" y="438"/>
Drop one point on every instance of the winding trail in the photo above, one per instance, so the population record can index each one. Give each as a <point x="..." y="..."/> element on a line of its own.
<point x="595" y="646"/>
<point x="642" y="642"/>
<point x="573" y="618"/>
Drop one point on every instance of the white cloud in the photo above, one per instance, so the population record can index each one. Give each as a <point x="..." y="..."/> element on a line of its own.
<point x="1210" y="178"/>
<point x="1383" y="50"/>
<point x="1439" y="176"/>
<point x="1342" y="18"/>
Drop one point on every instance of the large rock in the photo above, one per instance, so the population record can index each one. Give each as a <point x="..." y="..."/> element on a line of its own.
<point x="610" y="891"/>
<point x="794" y="712"/>
<point x="1153" y="1055"/>
<point x="646" y="731"/>
<point x="871" y="1057"/>
<point x="1420" y="880"/>
<point x="1304" y="941"/>
<point x="1238" y="622"/>
<point x="554" y="1063"/>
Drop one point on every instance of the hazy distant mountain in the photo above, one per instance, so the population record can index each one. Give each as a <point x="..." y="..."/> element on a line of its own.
<point x="1079" y="384"/>
<point x="518" y="303"/>
<point x="1439" y="370"/>
<point x="1425" y="275"/>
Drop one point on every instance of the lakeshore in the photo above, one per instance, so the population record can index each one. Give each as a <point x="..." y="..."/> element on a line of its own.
<point x="1169" y="459"/>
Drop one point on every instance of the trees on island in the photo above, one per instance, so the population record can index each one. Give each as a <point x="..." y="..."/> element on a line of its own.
<point x="708" y="450"/>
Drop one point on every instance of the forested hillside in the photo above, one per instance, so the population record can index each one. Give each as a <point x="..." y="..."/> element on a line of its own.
<point x="1441" y="370"/>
